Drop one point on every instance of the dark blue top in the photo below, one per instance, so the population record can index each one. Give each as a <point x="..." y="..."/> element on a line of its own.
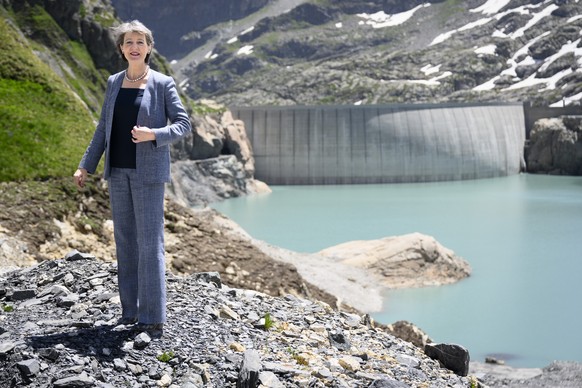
<point x="122" y="151"/>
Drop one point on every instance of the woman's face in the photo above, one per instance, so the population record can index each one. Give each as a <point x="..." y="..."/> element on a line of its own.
<point x="135" y="47"/>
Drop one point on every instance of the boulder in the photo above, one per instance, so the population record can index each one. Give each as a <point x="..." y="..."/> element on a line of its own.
<point x="451" y="356"/>
<point x="409" y="332"/>
<point x="215" y="162"/>
<point x="199" y="182"/>
<point x="555" y="148"/>
<point x="412" y="260"/>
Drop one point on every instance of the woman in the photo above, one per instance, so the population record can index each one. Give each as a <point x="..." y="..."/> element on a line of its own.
<point x="141" y="116"/>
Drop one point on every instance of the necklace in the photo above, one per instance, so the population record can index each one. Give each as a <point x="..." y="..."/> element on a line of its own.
<point x="138" y="78"/>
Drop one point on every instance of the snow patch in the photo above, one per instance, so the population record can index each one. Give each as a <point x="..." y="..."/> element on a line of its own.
<point x="339" y="25"/>
<point x="430" y="69"/>
<point x="232" y="40"/>
<point x="381" y="19"/>
<point x="534" y="20"/>
<point x="575" y="99"/>
<point x="476" y="23"/>
<point x="491" y="7"/>
<point x="550" y="83"/>
<point x="442" y="37"/>
<point x="513" y="64"/>
<point x="435" y="81"/>
<point x="489" y="85"/>
<point x="245" y="50"/>
<point x="446" y="35"/>
<point x="565" y="49"/>
<point x="489" y="49"/>
<point x="247" y="30"/>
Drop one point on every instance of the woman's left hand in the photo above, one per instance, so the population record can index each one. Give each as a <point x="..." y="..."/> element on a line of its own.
<point x="141" y="134"/>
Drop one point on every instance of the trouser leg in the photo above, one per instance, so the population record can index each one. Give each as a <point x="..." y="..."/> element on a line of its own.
<point x="148" y="206"/>
<point x="122" y="209"/>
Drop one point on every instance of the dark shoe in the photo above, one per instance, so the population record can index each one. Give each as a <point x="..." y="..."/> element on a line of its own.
<point x="149" y="326"/>
<point x="126" y="321"/>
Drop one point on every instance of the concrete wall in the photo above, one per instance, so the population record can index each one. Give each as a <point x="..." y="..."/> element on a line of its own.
<point x="384" y="143"/>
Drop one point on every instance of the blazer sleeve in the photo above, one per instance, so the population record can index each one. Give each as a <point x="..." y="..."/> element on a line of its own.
<point x="96" y="147"/>
<point x="179" y="121"/>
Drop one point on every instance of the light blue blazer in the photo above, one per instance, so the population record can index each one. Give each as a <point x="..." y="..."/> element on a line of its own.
<point x="161" y="110"/>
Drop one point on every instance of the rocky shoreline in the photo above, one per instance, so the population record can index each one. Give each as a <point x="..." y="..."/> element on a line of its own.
<point x="198" y="241"/>
<point x="59" y="329"/>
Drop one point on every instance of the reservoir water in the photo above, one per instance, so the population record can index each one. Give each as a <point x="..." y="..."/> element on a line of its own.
<point x="522" y="236"/>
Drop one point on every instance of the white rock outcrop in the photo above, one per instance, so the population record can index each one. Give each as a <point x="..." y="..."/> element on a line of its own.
<point x="411" y="260"/>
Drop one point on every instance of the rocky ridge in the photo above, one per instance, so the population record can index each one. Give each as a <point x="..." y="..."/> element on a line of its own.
<point x="215" y="162"/>
<point x="378" y="52"/>
<point x="58" y="328"/>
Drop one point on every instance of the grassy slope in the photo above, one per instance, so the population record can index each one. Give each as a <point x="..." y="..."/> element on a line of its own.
<point x="44" y="125"/>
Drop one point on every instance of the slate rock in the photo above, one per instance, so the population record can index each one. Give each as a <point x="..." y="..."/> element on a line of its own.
<point x="28" y="367"/>
<point x="452" y="356"/>
<point x="248" y="376"/>
<point x="339" y="340"/>
<point x="384" y="383"/>
<point x="22" y="294"/>
<point x="81" y="380"/>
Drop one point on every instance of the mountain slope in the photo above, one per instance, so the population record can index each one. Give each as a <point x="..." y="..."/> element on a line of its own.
<point x="352" y="52"/>
<point x="44" y="123"/>
<point x="56" y="57"/>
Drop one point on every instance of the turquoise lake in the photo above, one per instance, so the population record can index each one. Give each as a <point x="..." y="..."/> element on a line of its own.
<point x="522" y="236"/>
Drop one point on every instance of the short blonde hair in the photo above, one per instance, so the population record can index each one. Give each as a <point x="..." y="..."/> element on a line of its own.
<point x="133" y="26"/>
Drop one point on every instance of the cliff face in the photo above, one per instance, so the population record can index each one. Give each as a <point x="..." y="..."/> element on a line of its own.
<point x="555" y="146"/>
<point x="177" y="23"/>
<point x="83" y="21"/>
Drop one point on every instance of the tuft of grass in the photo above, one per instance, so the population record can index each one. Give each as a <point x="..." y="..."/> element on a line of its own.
<point x="166" y="356"/>
<point x="7" y="308"/>
<point x="268" y="321"/>
<point x="201" y="109"/>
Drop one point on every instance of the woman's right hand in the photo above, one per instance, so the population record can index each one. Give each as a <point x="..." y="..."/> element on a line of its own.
<point x="80" y="177"/>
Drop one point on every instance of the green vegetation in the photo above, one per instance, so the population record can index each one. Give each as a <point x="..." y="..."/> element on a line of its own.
<point x="44" y="127"/>
<point x="448" y="10"/>
<point x="201" y="109"/>
<point x="166" y="356"/>
<point x="299" y="359"/>
<point x="7" y="308"/>
<point x="268" y="321"/>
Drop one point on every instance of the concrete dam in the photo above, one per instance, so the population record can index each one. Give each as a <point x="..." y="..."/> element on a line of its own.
<point x="318" y="145"/>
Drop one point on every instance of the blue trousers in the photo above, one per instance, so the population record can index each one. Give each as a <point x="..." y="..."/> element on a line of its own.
<point x="138" y="221"/>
